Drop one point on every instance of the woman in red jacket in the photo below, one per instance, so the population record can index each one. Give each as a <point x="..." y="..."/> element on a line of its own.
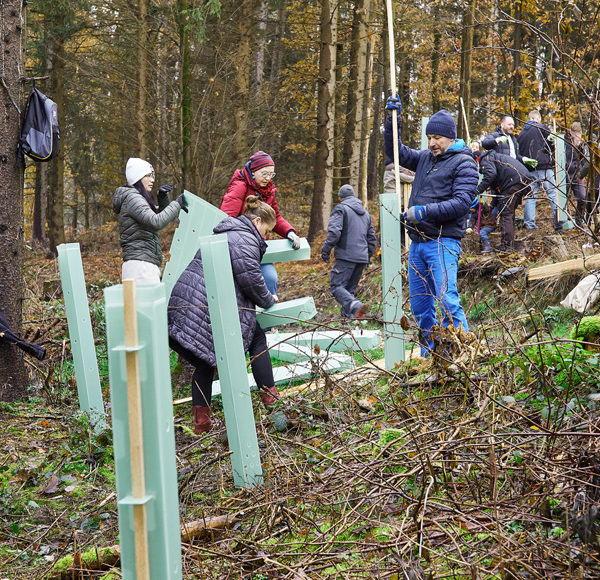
<point x="256" y="178"/>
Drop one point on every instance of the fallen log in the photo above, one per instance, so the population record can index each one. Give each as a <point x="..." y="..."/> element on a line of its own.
<point x="566" y="267"/>
<point x="104" y="558"/>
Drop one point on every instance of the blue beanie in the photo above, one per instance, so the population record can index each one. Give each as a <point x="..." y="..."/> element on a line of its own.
<point x="441" y="123"/>
<point x="346" y="191"/>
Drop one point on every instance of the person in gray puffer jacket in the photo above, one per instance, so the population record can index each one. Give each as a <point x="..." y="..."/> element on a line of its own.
<point x="190" y="331"/>
<point x="140" y="221"/>
<point x="351" y="233"/>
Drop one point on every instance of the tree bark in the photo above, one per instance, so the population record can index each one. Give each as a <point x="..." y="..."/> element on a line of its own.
<point x="186" y="95"/>
<point x="356" y="95"/>
<point x="259" y="60"/>
<point x="242" y="82"/>
<point x="38" y="237"/>
<point x="13" y="377"/>
<point x="142" y="78"/>
<point x="323" y="176"/>
<point x="466" y="62"/>
<point x="56" y="167"/>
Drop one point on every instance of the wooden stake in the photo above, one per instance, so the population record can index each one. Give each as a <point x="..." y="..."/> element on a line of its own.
<point x="136" y="436"/>
<point x="390" y="19"/>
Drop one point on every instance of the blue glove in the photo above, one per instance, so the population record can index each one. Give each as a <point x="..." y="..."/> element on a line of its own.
<point x="415" y="214"/>
<point x="165" y="189"/>
<point x="184" y="204"/>
<point x="393" y="103"/>
<point x="293" y="237"/>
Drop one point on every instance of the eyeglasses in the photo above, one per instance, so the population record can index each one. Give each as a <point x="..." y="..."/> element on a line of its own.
<point x="269" y="175"/>
<point x="152" y="175"/>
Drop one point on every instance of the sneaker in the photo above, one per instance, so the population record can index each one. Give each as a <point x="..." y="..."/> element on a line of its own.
<point x="360" y="312"/>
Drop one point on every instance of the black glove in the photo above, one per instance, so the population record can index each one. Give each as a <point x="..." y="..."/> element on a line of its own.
<point x="325" y="257"/>
<point x="181" y="201"/>
<point x="165" y="189"/>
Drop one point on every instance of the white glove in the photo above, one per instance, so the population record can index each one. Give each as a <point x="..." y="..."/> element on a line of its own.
<point x="502" y="139"/>
<point x="295" y="239"/>
<point x="551" y="137"/>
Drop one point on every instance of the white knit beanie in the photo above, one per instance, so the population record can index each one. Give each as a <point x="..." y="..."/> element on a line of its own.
<point x="136" y="169"/>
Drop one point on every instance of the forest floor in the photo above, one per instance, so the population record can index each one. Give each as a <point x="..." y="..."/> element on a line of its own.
<point x="481" y="462"/>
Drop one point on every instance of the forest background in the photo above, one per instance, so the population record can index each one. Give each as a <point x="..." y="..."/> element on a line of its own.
<point x="197" y="87"/>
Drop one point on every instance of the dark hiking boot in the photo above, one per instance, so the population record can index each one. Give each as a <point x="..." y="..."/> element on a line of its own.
<point x="202" y="422"/>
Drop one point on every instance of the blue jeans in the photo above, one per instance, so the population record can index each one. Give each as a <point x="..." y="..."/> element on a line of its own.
<point x="270" y="275"/>
<point x="432" y="272"/>
<point x="543" y="178"/>
<point x="484" y="233"/>
<point x="343" y="281"/>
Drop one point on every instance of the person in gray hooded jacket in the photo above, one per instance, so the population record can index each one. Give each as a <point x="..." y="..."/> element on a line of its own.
<point x="140" y="221"/>
<point x="350" y="232"/>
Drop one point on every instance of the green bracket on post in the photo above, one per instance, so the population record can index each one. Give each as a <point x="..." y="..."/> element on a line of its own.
<point x="80" y="332"/>
<point x="231" y="361"/>
<point x="162" y="505"/>
<point x="391" y="279"/>
<point x="562" y="182"/>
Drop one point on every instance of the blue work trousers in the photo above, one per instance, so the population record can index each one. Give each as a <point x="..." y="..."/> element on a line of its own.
<point x="432" y="272"/>
<point x="544" y="179"/>
<point x="343" y="282"/>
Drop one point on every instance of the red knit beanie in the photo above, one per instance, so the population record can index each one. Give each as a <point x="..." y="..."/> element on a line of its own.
<point x="259" y="160"/>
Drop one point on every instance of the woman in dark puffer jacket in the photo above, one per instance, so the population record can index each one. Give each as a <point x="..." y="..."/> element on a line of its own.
<point x="190" y="333"/>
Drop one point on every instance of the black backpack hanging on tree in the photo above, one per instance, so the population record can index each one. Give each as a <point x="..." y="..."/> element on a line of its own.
<point x="40" y="136"/>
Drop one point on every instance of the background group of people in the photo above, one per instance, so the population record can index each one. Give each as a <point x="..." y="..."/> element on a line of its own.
<point x="445" y="185"/>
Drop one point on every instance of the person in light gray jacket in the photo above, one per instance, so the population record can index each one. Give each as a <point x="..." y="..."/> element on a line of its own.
<point x="350" y="232"/>
<point x="140" y="221"/>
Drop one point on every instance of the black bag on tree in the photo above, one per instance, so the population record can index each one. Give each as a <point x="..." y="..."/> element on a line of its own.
<point x="39" y="127"/>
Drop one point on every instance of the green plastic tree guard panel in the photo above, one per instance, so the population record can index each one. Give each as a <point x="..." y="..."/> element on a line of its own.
<point x="80" y="332"/>
<point x="287" y="312"/>
<point x="200" y="220"/>
<point x="328" y="340"/>
<point x="282" y="251"/>
<point x="424" y="140"/>
<point x="162" y="504"/>
<point x="287" y="374"/>
<point x="231" y="361"/>
<point x="391" y="279"/>
<point x="562" y="182"/>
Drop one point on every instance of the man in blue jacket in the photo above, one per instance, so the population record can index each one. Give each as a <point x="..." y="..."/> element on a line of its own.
<point x="350" y="232"/>
<point x="442" y="193"/>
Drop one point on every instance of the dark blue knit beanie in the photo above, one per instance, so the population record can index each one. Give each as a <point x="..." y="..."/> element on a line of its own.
<point x="441" y="123"/>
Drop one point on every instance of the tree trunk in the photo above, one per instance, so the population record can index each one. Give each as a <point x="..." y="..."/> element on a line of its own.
<point x="259" y="60"/>
<point x="466" y="61"/>
<point x="13" y="377"/>
<point x="186" y="95"/>
<point x="375" y="143"/>
<point x="365" y="123"/>
<point x="516" y="71"/>
<point x="38" y="237"/>
<point x="356" y="95"/>
<point x="242" y="82"/>
<point x="56" y="182"/>
<point x="435" y="64"/>
<point x="142" y="78"/>
<point x="323" y="180"/>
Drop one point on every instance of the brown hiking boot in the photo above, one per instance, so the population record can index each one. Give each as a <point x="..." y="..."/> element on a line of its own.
<point x="202" y="422"/>
<point x="269" y="396"/>
<point x="360" y="312"/>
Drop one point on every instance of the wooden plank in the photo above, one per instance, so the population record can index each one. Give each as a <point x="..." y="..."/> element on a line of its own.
<point x="566" y="267"/>
<point x="136" y="435"/>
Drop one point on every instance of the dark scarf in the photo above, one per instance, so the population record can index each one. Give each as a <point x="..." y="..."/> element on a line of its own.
<point x="263" y="193"/>
<point x="147" y="195"/>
